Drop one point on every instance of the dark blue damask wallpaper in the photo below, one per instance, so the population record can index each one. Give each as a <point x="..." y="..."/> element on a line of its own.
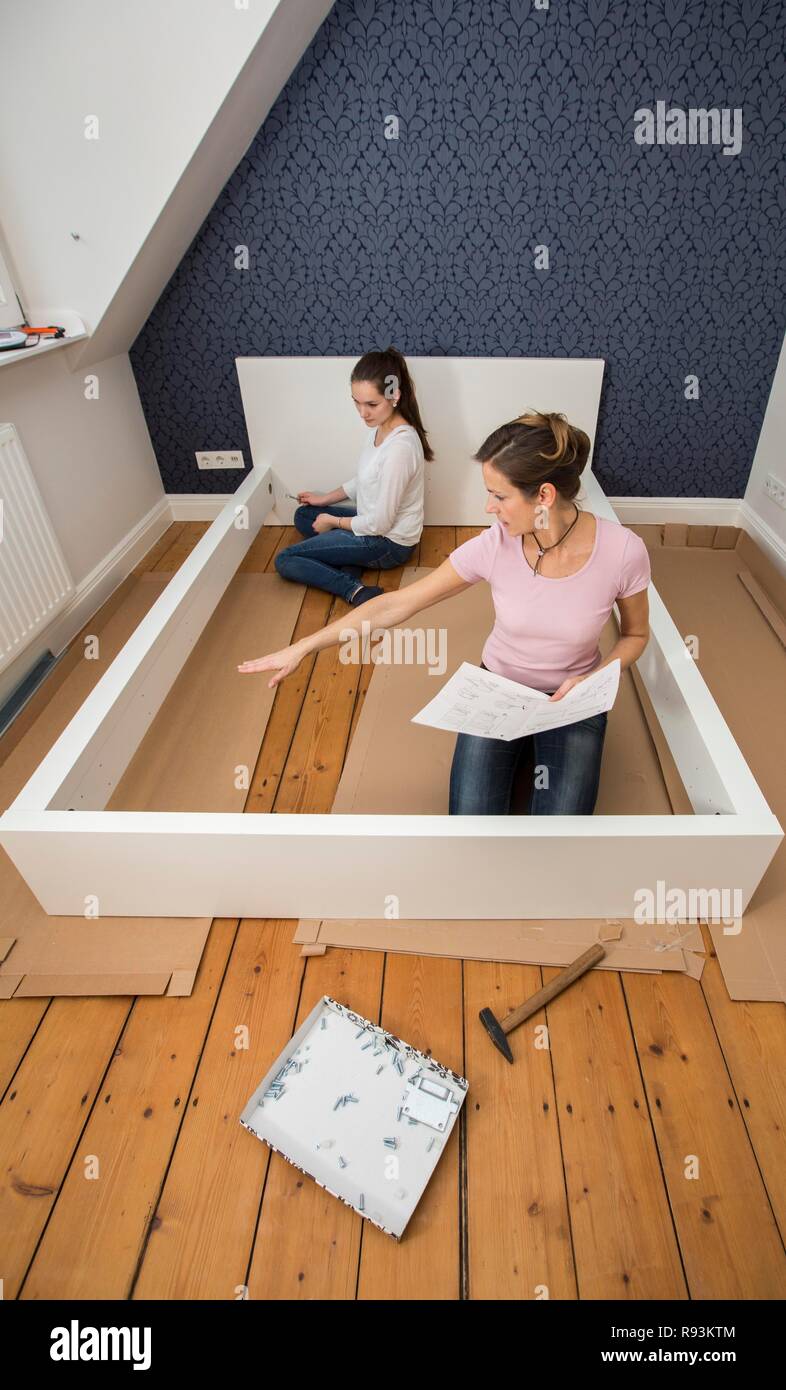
<point x="516" y="130"/>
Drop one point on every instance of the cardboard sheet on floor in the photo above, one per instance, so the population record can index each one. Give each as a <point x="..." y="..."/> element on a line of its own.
<point x="398" y="767"/>
<point x="51" y="955"/>
<point x="644" y="949"/>
<point x="213" y="720"/>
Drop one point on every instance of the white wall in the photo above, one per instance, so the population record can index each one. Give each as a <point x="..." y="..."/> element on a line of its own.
<point x="290" y="401"/>
<point x="765" y="515"/>
<point x="180" y="88"/>
<point x="92" y="459"/>
<point x="155" y="73"/>
<point x="94" y="464"/>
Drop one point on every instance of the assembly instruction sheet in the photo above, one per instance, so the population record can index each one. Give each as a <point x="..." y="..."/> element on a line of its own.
<point x="479" y="702"/>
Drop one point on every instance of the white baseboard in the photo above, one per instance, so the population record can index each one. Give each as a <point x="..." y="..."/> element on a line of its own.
<point x="700" y="511"/>
<point x="688" y="511"/>
<point x="632" y="511"/>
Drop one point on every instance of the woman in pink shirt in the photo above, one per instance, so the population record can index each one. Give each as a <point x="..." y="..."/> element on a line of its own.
<point x="555" y="572"/>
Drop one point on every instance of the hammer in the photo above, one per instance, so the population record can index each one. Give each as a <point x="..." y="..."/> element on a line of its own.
<point x="497" y="1031"/>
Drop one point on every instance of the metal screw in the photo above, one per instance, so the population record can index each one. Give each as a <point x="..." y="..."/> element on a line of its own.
<point x="342" y="1162"/>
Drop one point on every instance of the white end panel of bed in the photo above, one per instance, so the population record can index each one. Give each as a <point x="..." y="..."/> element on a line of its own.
<point x="303" y="425"/>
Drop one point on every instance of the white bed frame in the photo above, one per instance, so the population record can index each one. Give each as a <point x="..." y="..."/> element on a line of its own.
<point x="70" y="850"/>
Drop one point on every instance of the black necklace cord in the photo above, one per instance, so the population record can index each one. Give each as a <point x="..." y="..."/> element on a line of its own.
<point x="544" y="548"/>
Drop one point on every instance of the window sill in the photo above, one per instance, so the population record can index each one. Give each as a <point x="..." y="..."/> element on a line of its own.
<point x="71" y="322"/>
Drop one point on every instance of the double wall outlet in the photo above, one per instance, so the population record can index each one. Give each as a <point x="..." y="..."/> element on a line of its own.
<point x="775" y="489"/>
<point x="227" y="458"/>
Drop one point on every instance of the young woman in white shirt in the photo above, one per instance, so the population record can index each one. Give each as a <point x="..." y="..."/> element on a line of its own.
<point x="383" y="526"/>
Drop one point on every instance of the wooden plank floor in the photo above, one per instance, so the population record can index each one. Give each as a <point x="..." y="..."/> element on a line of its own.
<point x="634" y="1150"/>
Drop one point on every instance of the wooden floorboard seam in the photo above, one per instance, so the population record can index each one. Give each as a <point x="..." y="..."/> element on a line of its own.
<point x="75" y="1150"/>
<point x="565" y="1186"/>
<point x="183" y="1113"/>
<point x="742" y="1111"/>
<point x="665" y="1185"/>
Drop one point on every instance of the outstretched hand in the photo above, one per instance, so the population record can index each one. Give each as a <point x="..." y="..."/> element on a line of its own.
<point x="282" y="664"/>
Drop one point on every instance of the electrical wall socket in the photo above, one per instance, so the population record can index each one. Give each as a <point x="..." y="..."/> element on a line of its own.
<point x="227" y="458"/>
<point x="775" y="489"/>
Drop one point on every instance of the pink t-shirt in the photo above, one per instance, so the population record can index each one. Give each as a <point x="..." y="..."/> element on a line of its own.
<point x="548" y="629"/>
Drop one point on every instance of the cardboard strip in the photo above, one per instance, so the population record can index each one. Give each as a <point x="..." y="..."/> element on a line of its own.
<point x="188" y="760"/>
<point x="675" y="534"/>
<point x="726" y="537"/>
<point x="121" y="950"/>
<point x="774" y="618"/>
<point x="556" y="942"/>
<point x="675" y="787"/>
<point x="761" y="567"/>
<point x="36" y="986"/>
<point x="701" y="535"/>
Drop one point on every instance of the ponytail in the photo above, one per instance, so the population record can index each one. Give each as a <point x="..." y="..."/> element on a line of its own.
<point x="388" y="371"/>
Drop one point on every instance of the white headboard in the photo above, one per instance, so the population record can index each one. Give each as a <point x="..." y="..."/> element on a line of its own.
<point x="302" y="423"/>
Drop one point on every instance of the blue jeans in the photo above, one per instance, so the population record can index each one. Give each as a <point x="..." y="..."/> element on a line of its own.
<point x="335" y="560"/>
<point x="567" y="760"/>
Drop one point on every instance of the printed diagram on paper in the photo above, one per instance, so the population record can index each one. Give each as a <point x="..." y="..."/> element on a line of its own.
<point x="479" y="702"/>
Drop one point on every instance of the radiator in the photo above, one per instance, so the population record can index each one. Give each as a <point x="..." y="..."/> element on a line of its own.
<point x="35" y="581"/>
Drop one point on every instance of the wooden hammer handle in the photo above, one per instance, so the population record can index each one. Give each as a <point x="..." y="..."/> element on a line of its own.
<point x="566" y="977"/>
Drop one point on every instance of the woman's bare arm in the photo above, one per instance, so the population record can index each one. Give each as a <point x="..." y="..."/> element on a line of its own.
<point x="385" y="611"/>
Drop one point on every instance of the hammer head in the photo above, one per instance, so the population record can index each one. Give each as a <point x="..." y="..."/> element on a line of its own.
<point x="494" y="1030"/>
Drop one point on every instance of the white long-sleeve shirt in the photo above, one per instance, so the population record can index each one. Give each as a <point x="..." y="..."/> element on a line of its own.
<point x="388" y="487"/>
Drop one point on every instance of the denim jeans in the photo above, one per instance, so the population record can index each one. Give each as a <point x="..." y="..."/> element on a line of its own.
<point x="484" y="770"/>
<point x="335" y="560"/>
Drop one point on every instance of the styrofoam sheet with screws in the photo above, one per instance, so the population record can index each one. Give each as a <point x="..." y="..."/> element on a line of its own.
<point x="362" y="1113"/>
